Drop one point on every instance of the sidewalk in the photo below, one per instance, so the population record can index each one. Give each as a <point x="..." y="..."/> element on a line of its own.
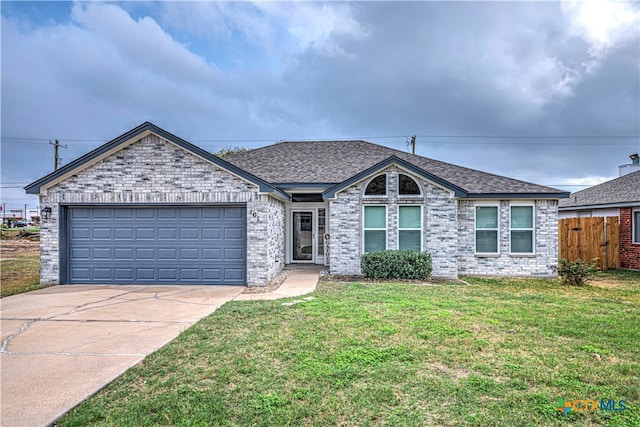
<point x="299" y="281"/>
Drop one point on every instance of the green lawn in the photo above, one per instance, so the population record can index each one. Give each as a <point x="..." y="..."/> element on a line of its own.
<point x="498" y="352"/>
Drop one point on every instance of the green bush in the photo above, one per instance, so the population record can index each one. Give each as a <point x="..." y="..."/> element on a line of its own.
<point x="576" y="273"/>
<point x="400" y="264"/>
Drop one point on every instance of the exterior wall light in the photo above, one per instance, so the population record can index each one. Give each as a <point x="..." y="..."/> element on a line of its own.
<point x="46" y="213"/>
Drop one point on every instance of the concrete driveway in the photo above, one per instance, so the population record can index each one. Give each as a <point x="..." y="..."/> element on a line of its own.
<point x="64" y="343"/>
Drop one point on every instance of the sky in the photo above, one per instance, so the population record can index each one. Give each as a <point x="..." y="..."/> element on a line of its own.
<point x="546" y="92"/>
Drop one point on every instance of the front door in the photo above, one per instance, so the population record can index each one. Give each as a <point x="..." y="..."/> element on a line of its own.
<point x="302" y="236"/>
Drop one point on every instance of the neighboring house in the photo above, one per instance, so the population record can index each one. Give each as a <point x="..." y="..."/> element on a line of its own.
<point x="149" y="207"/>
<point x="619" y="197"/>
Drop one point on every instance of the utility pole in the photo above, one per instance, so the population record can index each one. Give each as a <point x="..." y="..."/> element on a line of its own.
<point x="56" y="157"/>
<point x="413" y="144"/>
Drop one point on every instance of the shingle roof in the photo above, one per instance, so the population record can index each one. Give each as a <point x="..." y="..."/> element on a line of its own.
<point x="336" y="161"/>
<point x="622" y="190"/>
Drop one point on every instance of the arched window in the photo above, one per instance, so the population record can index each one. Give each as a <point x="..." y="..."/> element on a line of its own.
<point x="407" y="186"/>
<point x="377" y="186"/>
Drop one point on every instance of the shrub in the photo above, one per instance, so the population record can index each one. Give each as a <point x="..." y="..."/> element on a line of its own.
<point x="400" y="264"/>
<point x="576" y="273"/>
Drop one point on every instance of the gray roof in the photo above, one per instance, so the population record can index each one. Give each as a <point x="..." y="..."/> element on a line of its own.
<point x="333" y="162"/>
<point x="624" y="190"/>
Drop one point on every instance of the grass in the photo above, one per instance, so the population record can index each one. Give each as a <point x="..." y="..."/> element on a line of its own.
<point x="20" y="264"/>
<point x="498" y="352"/>
<point x="20" y="275"/>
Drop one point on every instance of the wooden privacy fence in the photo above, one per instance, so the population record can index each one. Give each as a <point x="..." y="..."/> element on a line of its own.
<point x="589" y="238"/>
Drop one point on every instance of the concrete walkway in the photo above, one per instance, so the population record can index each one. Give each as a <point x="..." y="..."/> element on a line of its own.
<point x="62" y="344"/>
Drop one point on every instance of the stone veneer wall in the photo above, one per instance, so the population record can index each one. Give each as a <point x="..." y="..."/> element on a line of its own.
<point x="154" y="171"/>
<point x="438" y="216"/>
<point x="505" y="264"/>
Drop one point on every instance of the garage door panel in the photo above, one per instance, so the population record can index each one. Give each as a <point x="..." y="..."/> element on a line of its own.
<point x="80" y="273"/>
<point x="204" y="245"/>
<point x="102" y="253"/>
<point x="81" y="253"/>
<point x="145" y="254"/>
<point x="234" y="233"/>
<point x="102" y="233"/>
<point x="233" y="274"/>
<point x="167" y="233"/>
<point x="81" y="233"/>
<point x="123" y="273"/>
<point x="189" y="233"/>
<point x="211" y="254"/>
<point x="146" y="233"/>
<point x="167" y="254"/>
<point x="102" y="274"/>
<point x="121" y="233"/>
<point x="233" y="254"/>
<point x="124" y="213"/>
<point x="234" y="213"/>
<point x="81" y="213"/>
<point x="123" y="254"/>
<point x="102" y="213"/>
<point x="209" y="233"/>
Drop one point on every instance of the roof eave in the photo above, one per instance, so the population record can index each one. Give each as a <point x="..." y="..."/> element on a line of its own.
<point x="600" y="206"/>
<point x="537" y="196"/>
<point x="331" y="192"/>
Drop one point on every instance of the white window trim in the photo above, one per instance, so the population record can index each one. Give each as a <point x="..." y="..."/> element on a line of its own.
<point x="375" y="196"/>
<point x="475" y="229"/>
<point x="634" y="225"/>
<point x="409" y="196"/>
<point x="410" y="229"/>
<point x="532" y="229"/>
<point x="386" y="229"/>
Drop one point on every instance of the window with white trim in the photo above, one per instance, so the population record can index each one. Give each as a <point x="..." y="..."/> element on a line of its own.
<point x="635" y="218"/>
<point x="486" y="229"/>
<point x="407" y="186"/>
<point x="410" y="228"/>
<point x="377" y="186"/>
<point x="522" y="229"/>
<point x="374" y="233"/>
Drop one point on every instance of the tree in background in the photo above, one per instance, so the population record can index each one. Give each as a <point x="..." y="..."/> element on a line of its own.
<point x="230" y="151"/>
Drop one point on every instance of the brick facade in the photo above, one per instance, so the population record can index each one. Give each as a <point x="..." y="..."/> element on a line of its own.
<point x="629" y="251"/>
<point x="156" y="172"/>
<point x="505" y="264"/>
<point x="448" y="232"/>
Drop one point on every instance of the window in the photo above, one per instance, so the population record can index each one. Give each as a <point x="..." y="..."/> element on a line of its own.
<point x="377" y="186"/>
<point x="410" y="228"/>
<point x="636" y="226"/>
<point x="522" y="229"/>
<point x="375" y="228"/>
<point x="487" y="229"/>
<point x="407" y="186"/>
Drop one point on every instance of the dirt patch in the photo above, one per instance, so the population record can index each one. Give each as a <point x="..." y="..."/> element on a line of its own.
<point x="271" y="287"/>
<point x="19" y="248"/>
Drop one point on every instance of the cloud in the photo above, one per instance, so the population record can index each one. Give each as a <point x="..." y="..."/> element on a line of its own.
<point x="603" y="25"/>
<point x="269" y="71"/>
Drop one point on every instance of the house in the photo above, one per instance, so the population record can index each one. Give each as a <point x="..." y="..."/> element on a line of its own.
<point x="149" y="207"/>
<point x="619" y="197"/>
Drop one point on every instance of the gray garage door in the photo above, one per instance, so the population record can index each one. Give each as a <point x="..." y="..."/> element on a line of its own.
<point x="157" y="245"/>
